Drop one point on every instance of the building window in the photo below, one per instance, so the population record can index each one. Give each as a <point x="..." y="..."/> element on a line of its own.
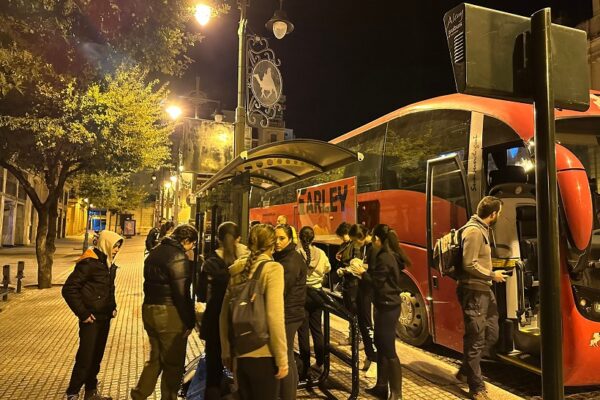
<point x="273" y="137"/>
<point x="11" y="184"/>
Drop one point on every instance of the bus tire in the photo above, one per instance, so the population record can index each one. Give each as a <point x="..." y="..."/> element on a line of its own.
<point x="413" y="324"/>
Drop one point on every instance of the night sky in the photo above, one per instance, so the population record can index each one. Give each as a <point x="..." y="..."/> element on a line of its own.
<point x="348" y="62"/>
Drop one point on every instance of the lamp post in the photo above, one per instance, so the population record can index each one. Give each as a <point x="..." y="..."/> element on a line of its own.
<point x="87" y="225"/>
<point x="280" y="27"/>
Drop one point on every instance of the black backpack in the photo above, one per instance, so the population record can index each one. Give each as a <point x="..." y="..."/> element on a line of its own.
<point x="247" y="313"/>
<point x="448" y="254"/>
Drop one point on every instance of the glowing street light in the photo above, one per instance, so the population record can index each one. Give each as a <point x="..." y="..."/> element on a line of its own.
<point x="174" y="112"/>
<point x="279" y="23"/>
<point x="203" y="13"/>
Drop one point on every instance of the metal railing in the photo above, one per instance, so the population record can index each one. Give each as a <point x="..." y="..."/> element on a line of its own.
<point x="332" y="304"/>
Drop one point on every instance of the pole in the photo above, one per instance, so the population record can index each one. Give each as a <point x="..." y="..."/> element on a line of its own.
<point x="240" y="116"/>
<point x="547" y="208"/>
<point x="86" y="236"/>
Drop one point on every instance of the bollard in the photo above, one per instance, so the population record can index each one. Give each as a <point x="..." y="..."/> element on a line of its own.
<point x="20" y="275"/>
<point x="5" y="281"/>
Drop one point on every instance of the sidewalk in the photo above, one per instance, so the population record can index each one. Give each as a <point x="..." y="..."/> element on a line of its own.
<point x="38" y="341"/>
<point x="67" y="252"/>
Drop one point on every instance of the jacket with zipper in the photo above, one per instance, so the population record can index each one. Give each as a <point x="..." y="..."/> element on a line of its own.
<point x="294" y="270"/>
<point x="476" y="271"/>
<point x="383" y="275"/>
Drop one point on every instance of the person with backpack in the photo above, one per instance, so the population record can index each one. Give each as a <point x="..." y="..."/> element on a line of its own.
<point x="255" y="336"/>
<point x="90" y="293"/>
<point x="214" y="277"/>
<point x="294" y="270"/>
<point x="317" y="265"/>
<point x="384" y="276"/>
<point x="167" y="312"/>
<point x="480" y="311"/>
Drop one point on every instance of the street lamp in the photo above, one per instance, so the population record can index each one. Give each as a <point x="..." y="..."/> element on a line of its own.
<point x="280" y="26"/>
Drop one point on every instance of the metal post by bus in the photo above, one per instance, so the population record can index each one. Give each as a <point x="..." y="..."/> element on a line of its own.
<point x="547" y="208"/>
<point x="5" y="281"/>
<point x="20" y="275"/>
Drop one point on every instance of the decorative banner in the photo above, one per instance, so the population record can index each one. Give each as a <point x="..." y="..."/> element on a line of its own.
<point x="207" y="145"/>
<point x="263" y="78"/>
<point x="325" y="206"/>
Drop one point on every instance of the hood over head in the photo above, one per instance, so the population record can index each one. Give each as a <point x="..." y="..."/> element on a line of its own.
<point x="106" y="241"/>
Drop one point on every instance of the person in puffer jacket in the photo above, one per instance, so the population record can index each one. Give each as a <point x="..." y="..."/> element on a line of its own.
<point x="318" y="266"/>
<point x="167" y="312"/>
<point x="90" y="293"/>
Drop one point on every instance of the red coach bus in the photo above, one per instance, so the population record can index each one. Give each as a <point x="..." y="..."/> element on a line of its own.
<point x="425" y="168"/>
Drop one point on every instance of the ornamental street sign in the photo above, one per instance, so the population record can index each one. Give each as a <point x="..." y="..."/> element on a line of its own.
<point x="266" y="83"/>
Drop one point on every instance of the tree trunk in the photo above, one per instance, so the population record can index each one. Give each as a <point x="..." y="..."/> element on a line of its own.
<point x="44" y="257"/>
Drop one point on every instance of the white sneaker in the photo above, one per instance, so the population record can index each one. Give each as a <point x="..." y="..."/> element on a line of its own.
<point x="372" y="371"/>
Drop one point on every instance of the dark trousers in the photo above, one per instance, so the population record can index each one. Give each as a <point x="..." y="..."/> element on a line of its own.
<point x="92" y="341"/>
<point x="480" y="314"/>
<point x="312" y="322"/>
<point x="289" y="384"/>
<point x="214" y="365"/>
<point x="358" y="298"/>
<point x="256" y="378"/>
<point x="386" y="320"/>
<point x="167" y="352"/>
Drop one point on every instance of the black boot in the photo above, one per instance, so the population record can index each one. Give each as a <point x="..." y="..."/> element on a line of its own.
<point x="380" y="390"/>
<point x="395" y="371"/>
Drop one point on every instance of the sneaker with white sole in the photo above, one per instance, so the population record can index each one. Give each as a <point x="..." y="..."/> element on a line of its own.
<point x="372" y="371"/>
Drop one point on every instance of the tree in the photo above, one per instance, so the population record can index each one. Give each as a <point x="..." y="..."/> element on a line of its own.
<point x="75" y="97"/>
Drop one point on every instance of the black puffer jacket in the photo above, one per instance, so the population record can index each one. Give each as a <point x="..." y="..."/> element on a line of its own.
<point x="383" y="276"/>
<point x="90" y="289"/>
<point x="294" y="270"/>
<point x="167" y="279"/>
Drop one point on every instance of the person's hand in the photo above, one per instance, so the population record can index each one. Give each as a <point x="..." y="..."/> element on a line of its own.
<point x="340" y="272"/>
<point x="499" y="276"/>
<point x="90" y="319"/>
<point x="187" y="333"/>
<point x="282" y="373"/>
<point x="338" y="256"/>
<point x="114" y="314"/>
<point x="227" y="363"/>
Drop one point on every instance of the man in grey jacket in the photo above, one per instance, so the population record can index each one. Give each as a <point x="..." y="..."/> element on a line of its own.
<point x="480" y="311"/>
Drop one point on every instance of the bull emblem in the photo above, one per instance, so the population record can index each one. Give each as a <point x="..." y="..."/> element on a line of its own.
<point x="595" y="342"/>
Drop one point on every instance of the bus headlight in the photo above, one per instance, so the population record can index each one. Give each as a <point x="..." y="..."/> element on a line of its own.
<point x="597" y="307"/>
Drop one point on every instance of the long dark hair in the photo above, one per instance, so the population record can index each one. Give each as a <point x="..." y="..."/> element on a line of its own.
<point x="260" y="239"/>
<point x="390" y="242"/>
<point x="358" y="231"/>
<point x="306" y="237"/>
<point x="227" y="233"/>
<point x="166" y="227"/>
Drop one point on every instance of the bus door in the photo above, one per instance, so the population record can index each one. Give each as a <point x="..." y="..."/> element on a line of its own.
<point x="448" y="207"/>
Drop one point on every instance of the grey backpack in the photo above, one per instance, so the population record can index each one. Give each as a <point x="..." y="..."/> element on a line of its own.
<point x="248" y="315"/>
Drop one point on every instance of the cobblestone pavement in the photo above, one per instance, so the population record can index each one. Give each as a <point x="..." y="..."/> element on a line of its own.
<point x="38" y="341"/>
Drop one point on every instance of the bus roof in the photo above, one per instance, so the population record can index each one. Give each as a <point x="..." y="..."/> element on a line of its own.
<point x="519" y="116"/>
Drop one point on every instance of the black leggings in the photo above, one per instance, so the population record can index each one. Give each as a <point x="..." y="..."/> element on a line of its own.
<point x="386" y="319"/>
<point x="256" y="378"/>
<point x="357" y="296"/>
<point x="214" y="366"/>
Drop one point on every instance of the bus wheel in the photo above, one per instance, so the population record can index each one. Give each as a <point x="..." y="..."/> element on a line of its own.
<point x="413" y="326"/>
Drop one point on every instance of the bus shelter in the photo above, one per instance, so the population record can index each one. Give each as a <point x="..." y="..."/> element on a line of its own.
<point x="225" y="196"/>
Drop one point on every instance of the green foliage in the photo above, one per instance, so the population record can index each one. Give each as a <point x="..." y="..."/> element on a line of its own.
<point x="116" y="193"/>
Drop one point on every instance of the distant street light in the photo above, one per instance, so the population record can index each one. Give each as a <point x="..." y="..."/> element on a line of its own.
<point x="174" y="111"/>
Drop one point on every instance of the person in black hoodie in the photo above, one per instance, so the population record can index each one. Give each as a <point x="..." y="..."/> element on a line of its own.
<point x="90" y="293"/>
<point x="167" y="312"/>
<point x="294" y="270"/>
<point x="383" y="275"/>
<point x="215" y="277"/>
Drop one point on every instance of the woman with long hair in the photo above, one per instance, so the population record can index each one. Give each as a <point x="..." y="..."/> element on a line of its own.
<point x="294" y="271"/>
<point x="215" y="276"/>
<point x="384" y="276"/>
<point x="259" y="372"/>
<point x="317" y="266"/>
